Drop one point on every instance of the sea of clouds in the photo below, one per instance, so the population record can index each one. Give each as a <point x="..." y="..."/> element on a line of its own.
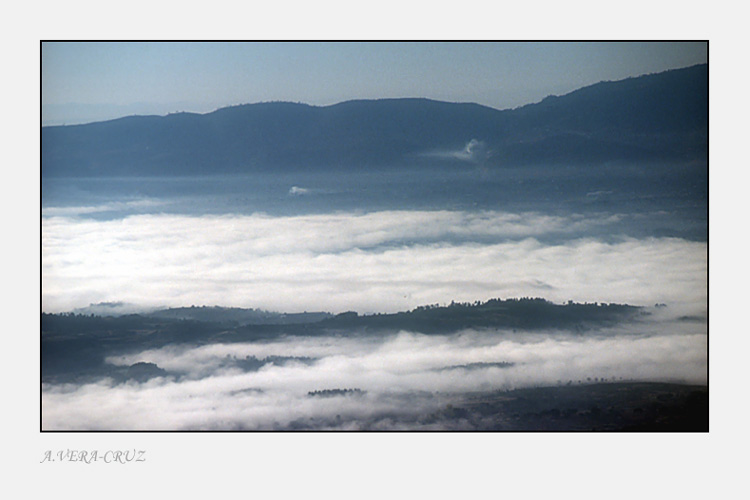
<point x="369" y="262"/>
<point x="403" y="380"/>
<point x="382" y="261"/>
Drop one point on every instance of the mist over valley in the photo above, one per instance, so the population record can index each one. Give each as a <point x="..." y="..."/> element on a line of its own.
<point x="382" y="265"/>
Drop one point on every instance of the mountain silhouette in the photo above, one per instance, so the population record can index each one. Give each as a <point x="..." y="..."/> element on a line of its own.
<point x="656" y="117"/>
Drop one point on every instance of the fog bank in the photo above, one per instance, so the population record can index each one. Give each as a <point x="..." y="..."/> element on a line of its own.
<point x="371" y="262"/>
<point x="401" y="380"/>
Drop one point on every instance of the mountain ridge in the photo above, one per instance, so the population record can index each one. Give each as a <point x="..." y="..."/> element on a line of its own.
<point x="660" y="116"/>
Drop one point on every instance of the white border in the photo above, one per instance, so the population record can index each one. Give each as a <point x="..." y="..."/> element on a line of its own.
<point x="377" y="465"/>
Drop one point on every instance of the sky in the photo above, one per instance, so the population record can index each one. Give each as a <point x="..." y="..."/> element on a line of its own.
<point x="92" y="81"/>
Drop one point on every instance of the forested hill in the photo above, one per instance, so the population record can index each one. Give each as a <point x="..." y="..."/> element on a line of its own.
<point x="522" y="314"/>
<point x="660" y="117"/>
<point x="74" y="345"/>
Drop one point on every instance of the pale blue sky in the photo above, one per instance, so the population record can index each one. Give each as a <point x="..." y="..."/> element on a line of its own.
<point x="84" y="82"/>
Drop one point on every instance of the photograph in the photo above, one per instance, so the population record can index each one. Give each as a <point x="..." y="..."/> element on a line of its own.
<point x="477" y="237"/>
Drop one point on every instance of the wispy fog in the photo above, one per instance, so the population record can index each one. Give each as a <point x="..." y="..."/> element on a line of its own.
<point x="370" y="262"/>
<point x="399" y="381"/>
<point x="474" y="151"/>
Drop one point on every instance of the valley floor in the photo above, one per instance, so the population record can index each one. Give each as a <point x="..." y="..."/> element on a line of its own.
<point x="623" y="406"/>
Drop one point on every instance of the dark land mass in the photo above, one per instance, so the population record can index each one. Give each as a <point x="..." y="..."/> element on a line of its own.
<point x="522" y="314"/>
<point x="622" y="406"/>
<point x="625" y="406"/>
<point x="612" y="406"/>
<point x="74" y="346"/>
<point x="657" y="118"/>
<point x="329" y="393"/>
<point x="235" y="316"/>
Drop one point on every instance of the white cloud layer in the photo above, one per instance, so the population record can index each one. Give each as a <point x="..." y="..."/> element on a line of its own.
<point x="406" y="377"/>
<point x="369" y="262"/>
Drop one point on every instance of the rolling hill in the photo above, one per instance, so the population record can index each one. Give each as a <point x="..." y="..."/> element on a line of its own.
<point x="657" y="117"/>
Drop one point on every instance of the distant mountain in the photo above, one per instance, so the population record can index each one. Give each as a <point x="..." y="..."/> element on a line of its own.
<point x="661" y="116"/>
